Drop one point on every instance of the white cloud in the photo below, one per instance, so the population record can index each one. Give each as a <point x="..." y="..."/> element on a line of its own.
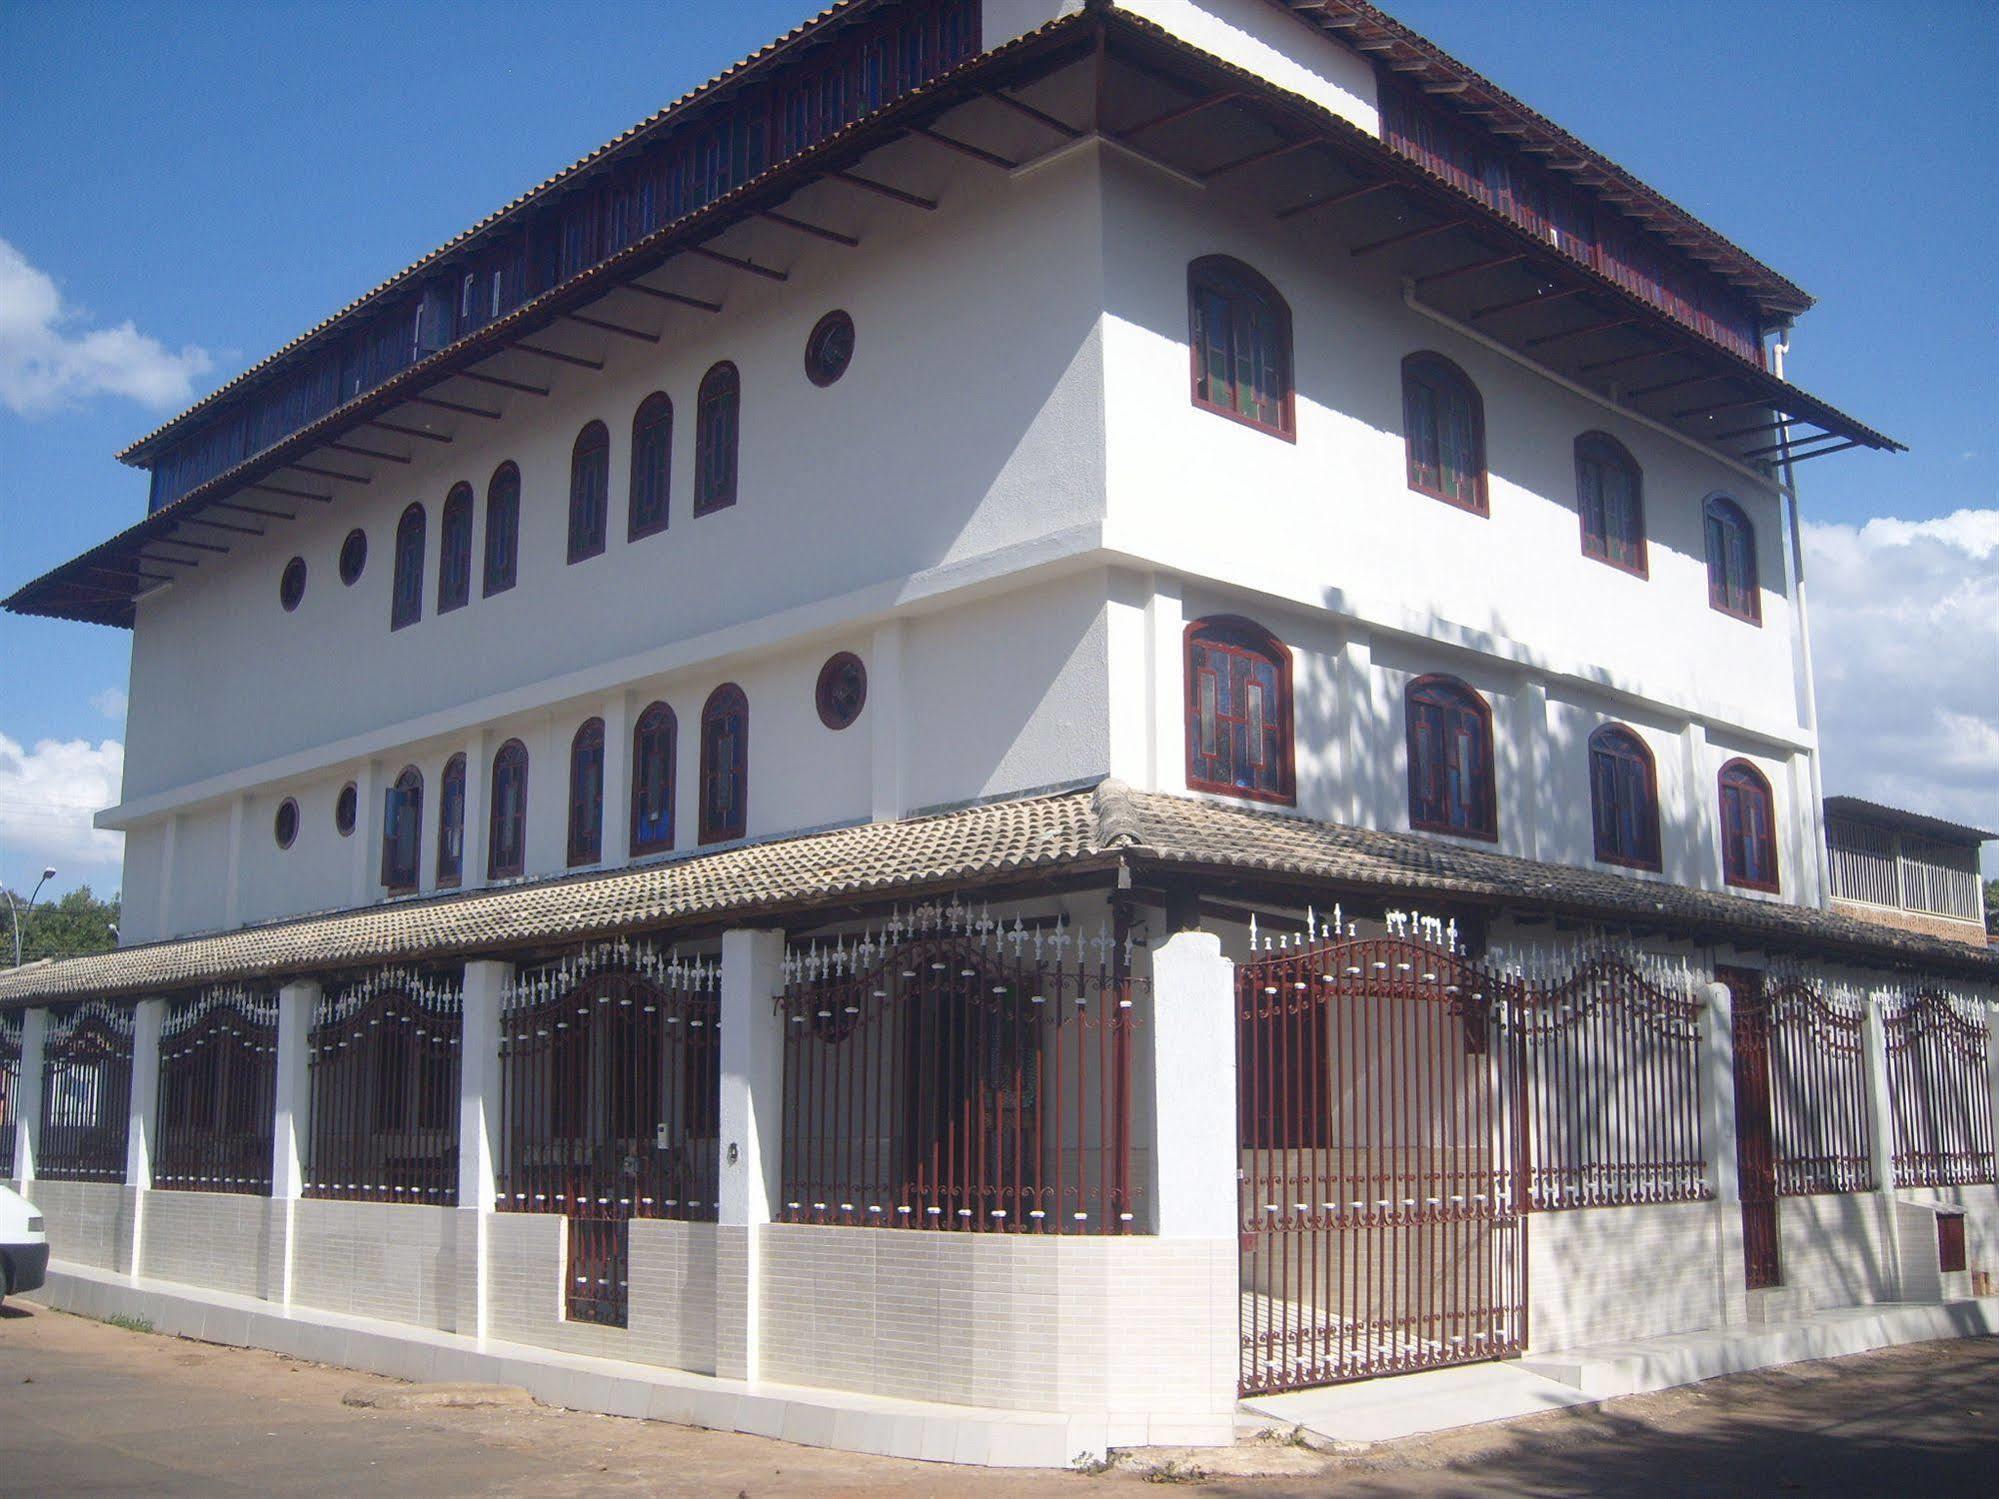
<point x="48" y="359"/>
<point x="1905" y="647"/>
<point x="111" y="702"/>
<point x="47" y="797"/>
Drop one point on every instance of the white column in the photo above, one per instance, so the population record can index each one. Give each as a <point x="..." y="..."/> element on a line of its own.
<point x="617" y="835"/>
<point x="751" y="1120"/>
<point x="885" y="726"/>
<point x="1128" y="641"/>
<point x="1166" y="666"/>
<point x="1881" y="1136"/>
<point x="147" y="1017"/>
<point x="298" y="1008"/>
<point x="1366" y="755"/>
<point x="163" y="921"/>
<point x="1718" y="1094"/>
<point x="485" y="990"/>
<point x="367" y="833"/>
<point x="232" y="903"/>
<point x="1193" y="1035"/>
<point x="1520" y="822"/>
<point x="28" y="1097"/>
<point x="1702" y="842"/>
<point x="478" y="814"/>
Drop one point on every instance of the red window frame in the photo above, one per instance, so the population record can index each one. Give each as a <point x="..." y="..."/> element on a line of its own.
<point x="725" y="764"/>
<point x="454" y="550"/>
<point x="406" y="593"/>
<point x="1239" y="711"/>
<point x="648" y="504"/>
<point x="1733" y="585"/>
<point x="586" y="793"/>
<point x="402" y="831"/>
<point x="1443" y="718"/>
<point x="503" y="528"/>
<point x="1624" y="799"/>
<point x="717" y="436"/>
<point x="451" y="824"/>
<point x="589" y="492"/>
<point x="654" y="739"/>
<point x="1432" y="377"/>
<point x="1598" y="455"/>
<point x="1239" y="346"/>
<point x="1748" y="828"/>
<point x="507" y="818"/>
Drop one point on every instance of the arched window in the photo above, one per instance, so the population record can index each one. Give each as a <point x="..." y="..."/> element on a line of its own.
<point x="717" y="423"/>
<point x="1240" y="331"/>
<point x="402" y="831"/>
<point x="725" y="764"/>
<point x="589" y="491"/>
<point x="1731" y="561"/>
<point x="652" y="459"/>
<point x="1238" y="710"/>
<point x="1624" y="798"/>
<point x="586" y="794"/>
<point x="1443" y="424"/>
<point x="1450" y="759"/>
<point x="507" y="826"/>
<point x="1748" y="827"/>
<point x="1610" y="502"/>
<point x="503" y="528"/>
<point x="652" y="779"/>
<point x="406" y="597"/>
<point x="451" y="823"/>
<point x="454" y="550"/>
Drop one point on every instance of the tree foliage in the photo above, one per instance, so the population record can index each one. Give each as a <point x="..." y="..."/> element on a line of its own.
<point x="68" y="927"/>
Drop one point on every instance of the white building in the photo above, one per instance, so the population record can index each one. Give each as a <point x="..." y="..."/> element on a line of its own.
<point x="1021" y="485"/>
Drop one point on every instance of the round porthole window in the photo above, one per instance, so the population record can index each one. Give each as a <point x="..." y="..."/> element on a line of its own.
<point x="843" y="690"/>
<point x="353" y="556"/>
<point x="345" y="808"/>
<point x="830" y="349"/>
<point x="285" y="826"/>
<point x="291" y="586"/>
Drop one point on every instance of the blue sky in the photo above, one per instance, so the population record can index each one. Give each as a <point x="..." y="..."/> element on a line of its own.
<point x="223" y="175"/>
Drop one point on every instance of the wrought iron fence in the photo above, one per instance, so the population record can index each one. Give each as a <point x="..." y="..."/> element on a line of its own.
<point x="86" y="1094"/>
<point x="1939" y="1092"/>
<point x="10" y="1088"/>
<point x="610" y="1084"/>
<point x="1818" y="1085"/>
<point x="1612" y="1079"/>
<point x="949" y="1072"/>
<point x="382" y="1066"/>
<point x="218" y="1087"/>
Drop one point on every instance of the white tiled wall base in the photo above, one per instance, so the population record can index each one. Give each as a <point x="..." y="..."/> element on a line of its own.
<point x="1602" y="1275"/>
<point x="89" y="1223"/>
<point x="376" y="1259"/>
<point x="220" y="1240"/>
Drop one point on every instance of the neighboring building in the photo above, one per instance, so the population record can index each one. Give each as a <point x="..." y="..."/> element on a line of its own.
<point x="1904" y="869"/>
<point x="720" y="727"/>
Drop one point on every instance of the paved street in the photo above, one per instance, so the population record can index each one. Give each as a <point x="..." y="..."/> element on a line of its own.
<point x="88" y="1409"/>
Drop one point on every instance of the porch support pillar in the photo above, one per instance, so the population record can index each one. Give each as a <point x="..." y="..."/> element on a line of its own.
<point x="615" y="838"/>
<point x="752" y="1121"/>
<point x="28" y="1096"/>
<point x="148" y="1015"/>
<point x="485" y="989"/>
<point x="1881" y="1134"/>
<point x="298" y="1006"/>
<point x="1194" y="1088"/>
<point x="1718" y="1131"/>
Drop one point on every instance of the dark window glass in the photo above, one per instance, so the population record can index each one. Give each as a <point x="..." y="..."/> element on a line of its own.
<point x="842" y="691"/>
<point x="503" y="528"/>
<point x="1624" y="798"/>
<point x="1609" y="501"/>
<point x="829" y="348"/>
<point x="1450" y="759"/>
<point x="1241" y="337"/>
<point x="406" y="597"/>
<point x="1748" y="827"/>
<point x="1238" y="710"/>
<point x="454" y="550"/>
<point x="652" y="780"/>
<point x="1443" y="422"/>
<point x="402" y="830"/>
<point x="1731" y="561"/>
<point x="284" y="827"/>
<point x="717" y="425"/>
<point x="652" y="461"/>
<point x="451" y="823"/>
<point x="586" y="794"/>
<point x="353" y="556"/>
<point x="506" y="845"/>
<point x="291" y="586"/>
<point x="589" y="491"/>
<point x="725" y="764"/>
<point x="346" y="807"/>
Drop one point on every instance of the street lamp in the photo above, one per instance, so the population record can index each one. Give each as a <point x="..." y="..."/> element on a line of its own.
<point x="14" y="909"/>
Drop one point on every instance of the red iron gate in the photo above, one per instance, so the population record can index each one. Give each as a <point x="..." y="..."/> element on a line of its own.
<point x="1380" y="1125"/>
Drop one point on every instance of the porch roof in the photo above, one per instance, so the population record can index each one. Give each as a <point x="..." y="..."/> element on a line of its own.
<point x="1082" y="831"/>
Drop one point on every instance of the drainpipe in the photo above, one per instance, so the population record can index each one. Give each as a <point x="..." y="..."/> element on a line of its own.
<point x="1810" y="696"/>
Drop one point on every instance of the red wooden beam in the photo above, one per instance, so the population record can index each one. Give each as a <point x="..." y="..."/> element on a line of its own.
<point x="1021" y="106"/>
<point x="678" y="298"/>
<point x="1179" y="112"/>
<point x="594" y="322"/>
<point x="738" y="263"/>
<point x="1538" y="298"/>
<point x="913" y="200"/>
<point x="291" y="494"/>
<point x="443" y="405"/>
<point x="1256" y="158"/>
<point x="1335" y="199"/>
<point x="329" y="473"/>
<point x="561" y="358"/>
<point x="817" y="231"/>
<point x="966" y="148"/>
<point x="361" y="452"/>
<point x="1409" y="236"/>
<point x="504" y="383"/>
<point x="1490" y="263"/>
<point x="1586" y="328"/>
<point x="253" y="509"/>
<point x="402" y="431"/>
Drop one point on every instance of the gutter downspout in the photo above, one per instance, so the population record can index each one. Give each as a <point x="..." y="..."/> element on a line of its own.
<point x="1808" y="696"/>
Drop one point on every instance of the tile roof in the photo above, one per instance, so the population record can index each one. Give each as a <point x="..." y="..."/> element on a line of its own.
<point x="1056" y="832"/>
<point x="1915" y="822"/>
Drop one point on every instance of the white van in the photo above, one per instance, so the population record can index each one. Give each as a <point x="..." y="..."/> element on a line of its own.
<point x="24" y="1244"/>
